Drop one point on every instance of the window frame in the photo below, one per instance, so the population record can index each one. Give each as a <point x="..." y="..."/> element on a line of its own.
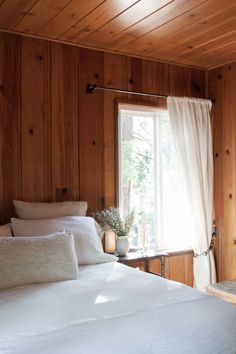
<point x="133" y="105"/>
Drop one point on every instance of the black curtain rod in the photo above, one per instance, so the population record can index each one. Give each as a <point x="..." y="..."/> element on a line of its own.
<point x="93" y="87"/>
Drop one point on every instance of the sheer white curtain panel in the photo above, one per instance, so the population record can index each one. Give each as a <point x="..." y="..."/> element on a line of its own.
<point x="192" y="139"/>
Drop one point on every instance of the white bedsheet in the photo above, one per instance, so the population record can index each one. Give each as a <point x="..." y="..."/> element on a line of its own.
<point x="110" y="309"/>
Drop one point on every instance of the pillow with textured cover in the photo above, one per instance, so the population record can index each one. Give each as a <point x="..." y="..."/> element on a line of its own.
<point x="5" y="230"/>
<point x="29" y="260"/>
<point x="30" y="210"/>
<point x="88" y="245"/>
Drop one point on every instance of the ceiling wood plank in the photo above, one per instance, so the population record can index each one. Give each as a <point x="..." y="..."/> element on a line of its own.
<point x="165" y="14"/>
<point x="150" y="43"/>
<point x="71" y="14"/>
<point x="199" y="33"/>
<point x="207" y="41"/>
<point x="39" y="15"/>
<point x="204" y="30"/>
<point x="207" y="49"/>
<point x="219" y="57"/>
<point x="12" y="11"/>
<point x="129" y="17"/>
<point x="96" y="19"/>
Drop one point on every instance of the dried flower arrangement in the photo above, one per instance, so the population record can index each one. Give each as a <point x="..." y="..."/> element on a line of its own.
<point x="111" y="219"/>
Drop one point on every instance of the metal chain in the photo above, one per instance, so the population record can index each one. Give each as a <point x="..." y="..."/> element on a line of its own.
<point x="212" y="243"/>
<point x="163" y="267"/>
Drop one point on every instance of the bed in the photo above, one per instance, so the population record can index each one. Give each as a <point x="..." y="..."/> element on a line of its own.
<point x="112" y="308"/>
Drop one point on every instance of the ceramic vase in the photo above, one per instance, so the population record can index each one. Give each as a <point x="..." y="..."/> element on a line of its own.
<point x="122" y="245"/>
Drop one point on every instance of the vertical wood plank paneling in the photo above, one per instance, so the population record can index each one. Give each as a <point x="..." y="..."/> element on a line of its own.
<point x="180" y="269"/>
<point x="177" y="267"/>
<point x="186" y="82"/>
<point x="228" y="157"/>
<point x="148" y="76"/>
<point x="180" y="81"/>
<point x="115" y="75"/>
<point x="228" y="145"/>
<point x="64" y="108"/>
<point x="229" y="171"/>
<point x="155" y="266"/>
<point x="177" y="263"/>
<point x="198" y="84"/>
<point x="189" y="270"/>
<point x="215" y="91"/>
<point x="10" y="130"/>
<point x="35" y="117"/>
<point x="91" y="164"/>
<point x="135" y="76"/>
<point x="155" y="78"/>
<point x="221" y="88"/>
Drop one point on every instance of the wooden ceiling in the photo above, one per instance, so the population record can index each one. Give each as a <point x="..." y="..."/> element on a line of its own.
<point x="199" y="33"/>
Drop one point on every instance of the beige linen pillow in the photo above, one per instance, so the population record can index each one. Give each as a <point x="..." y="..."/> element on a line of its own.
<point x="29" y="260"/>
<point x="88" y="245"/>
<point x="30" y="210"/>
<point x="5" y="230"/>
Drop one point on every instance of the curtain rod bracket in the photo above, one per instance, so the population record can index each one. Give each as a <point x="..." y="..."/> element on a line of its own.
<point x="90" y="88"/>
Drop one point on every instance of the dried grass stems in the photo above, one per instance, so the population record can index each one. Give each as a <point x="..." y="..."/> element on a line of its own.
<point x="111" y="219"/>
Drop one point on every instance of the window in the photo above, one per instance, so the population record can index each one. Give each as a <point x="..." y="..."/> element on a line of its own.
<point x="147" y="178"/>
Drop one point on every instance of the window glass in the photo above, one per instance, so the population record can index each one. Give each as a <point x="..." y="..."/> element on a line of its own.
<point x="147" y="179"/>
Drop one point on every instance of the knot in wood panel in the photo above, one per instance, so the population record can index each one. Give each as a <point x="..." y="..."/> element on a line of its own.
<point x="197" y="88"/>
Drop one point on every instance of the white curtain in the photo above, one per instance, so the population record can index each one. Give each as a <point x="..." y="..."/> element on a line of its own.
<point x="192" y="138"/>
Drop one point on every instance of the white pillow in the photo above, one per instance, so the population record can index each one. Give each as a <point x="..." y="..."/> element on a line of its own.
<point x="29" y="260"/>
<point x="99" y="230"/>
<point x="5" y="230"/>
<point x="29" y="210"/>
<point x="88" y="245"/>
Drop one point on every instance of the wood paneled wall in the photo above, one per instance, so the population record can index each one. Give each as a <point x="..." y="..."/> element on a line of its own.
<point x="178" y="267"/>
<point x="222" y="87"/>
<point x="56" y="141"/>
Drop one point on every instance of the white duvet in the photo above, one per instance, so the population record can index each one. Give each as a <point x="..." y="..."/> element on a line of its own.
<point x="110" y="309"/>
